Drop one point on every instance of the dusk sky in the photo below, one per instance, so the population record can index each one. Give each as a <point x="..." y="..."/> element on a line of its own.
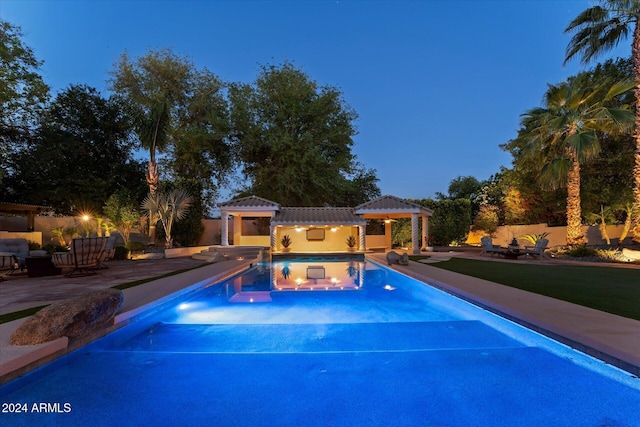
<point x="438" y="85"/>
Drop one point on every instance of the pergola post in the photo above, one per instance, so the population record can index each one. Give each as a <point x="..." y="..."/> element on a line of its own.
<point x="415" y="234"/>
<point x="362" y="232"/>
<point x="224" y="227"/>
<point x="425" y="233"/>
<point x="272" y="237"/>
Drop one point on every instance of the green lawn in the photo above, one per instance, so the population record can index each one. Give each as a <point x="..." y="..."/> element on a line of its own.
<point x="614" y="290"/>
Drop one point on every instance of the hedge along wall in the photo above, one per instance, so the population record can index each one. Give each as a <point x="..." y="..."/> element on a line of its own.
<point x="211" y="234"/>
<point x="44" y="224"/>
<point x="557" y="235"/>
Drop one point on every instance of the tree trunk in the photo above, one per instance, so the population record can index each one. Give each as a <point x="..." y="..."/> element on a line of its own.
<point x="574" y="211"/>
<point x="635" y="53"/>
<point x="153" y="179"/>
<point x="627" y="226"/>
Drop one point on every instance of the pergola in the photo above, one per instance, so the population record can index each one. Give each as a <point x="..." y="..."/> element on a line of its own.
<point x="389" y="208"/>
<point x="19" y="209"/>
<point x="385" y="208"/>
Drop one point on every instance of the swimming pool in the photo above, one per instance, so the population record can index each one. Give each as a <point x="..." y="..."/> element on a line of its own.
<point x="331" y="344"/>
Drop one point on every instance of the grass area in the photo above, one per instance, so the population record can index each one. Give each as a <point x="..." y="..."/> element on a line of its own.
<point x="418" y="257"/>
<point x="9" y="317"/>
<point x="614" y="290"/>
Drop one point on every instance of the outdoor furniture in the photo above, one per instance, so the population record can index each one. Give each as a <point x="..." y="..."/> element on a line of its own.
<point x="488" y="247"/>
<point x="511" y="252"/>
<point x="538" y="249"/>
<point x="84" y="257"/>
<point x="38" y="266"/>
<point x="108" y="253"/>
<point x="19" y="248"/>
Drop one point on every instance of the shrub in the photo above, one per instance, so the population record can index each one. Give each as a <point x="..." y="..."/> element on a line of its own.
<point x="582" y="251"/>
<point x="54" y="248"/>
<point x="135" y="246"/>
<point x="121" y="253"/>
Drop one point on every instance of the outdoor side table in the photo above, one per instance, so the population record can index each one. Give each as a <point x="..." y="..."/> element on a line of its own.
<point x="38" y="266"/>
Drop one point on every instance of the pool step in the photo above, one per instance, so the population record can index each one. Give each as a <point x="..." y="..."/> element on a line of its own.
<point x="316" y="338"/>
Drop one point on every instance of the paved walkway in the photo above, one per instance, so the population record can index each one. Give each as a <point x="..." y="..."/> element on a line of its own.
<point x="612" y="338"/>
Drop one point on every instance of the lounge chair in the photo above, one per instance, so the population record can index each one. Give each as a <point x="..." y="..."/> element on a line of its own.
<point x="84" y="257"/>
<point x="108" y="253"/>
<point x="488" y="247"/>
<point x="538" y="249"/>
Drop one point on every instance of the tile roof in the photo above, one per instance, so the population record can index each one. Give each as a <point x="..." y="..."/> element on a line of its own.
<point x="250" y="202"/>
<point x="317" y="216"/>
<point x="391" y="204"/>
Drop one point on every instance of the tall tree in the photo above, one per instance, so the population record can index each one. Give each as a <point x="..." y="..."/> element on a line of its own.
<point x="180" y="115"/>
<point x="81" y="154"/>
<point x="597" y="30"/>
<point x="294" y="139"/>
<point x="201" y="150"/>
<point x="562" y="135"/>
<point x="156" y="86"/>
<point x="23" y="93"/>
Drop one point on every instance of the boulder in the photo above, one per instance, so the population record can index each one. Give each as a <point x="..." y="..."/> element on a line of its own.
<point x="396" y="258"/>
<point x="631" y="255"/>
<point x="73" y="318"/>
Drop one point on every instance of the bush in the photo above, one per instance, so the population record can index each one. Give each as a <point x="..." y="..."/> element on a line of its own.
<point x="582" y="251"/>
<point x="33" y="246"/>
<point x="54" y="248"/>
<point x="121" y="253"/>
<point x="135" y="246"/>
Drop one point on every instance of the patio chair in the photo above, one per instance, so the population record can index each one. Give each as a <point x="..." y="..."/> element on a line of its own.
<point x="84" y="257"/>
<point x="488" y="247"/>
<point x="108" y="253"/>
<point x="538" y="249"/>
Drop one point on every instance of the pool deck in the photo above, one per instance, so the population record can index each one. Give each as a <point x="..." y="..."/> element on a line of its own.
<point x="611" y="338"/>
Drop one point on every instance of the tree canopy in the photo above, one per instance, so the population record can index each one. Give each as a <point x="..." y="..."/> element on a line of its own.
<point x="294" y="140"/>
<point x="179" y="110"/>
<point x="80" y="154"/>
<point x="23" y="93"/>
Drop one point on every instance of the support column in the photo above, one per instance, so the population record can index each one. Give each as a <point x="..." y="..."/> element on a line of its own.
<point x="362" y="231"/>
<point x="425" y="233"/>
<point x="224" y="228"/>
<point x="272" y="238"/>
<point x="415" y="234"/>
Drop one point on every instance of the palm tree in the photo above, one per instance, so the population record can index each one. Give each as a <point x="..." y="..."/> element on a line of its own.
<point x="562" y="135"/>
<point x="167" y="209"/>
<point x="597" y="30"/>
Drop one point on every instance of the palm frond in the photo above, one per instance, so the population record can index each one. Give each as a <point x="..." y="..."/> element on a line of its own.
<point x="585" y="144"/>
<point x="601" y="28"/>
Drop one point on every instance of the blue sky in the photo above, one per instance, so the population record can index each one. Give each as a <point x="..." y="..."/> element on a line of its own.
<point x="438" y="85"/>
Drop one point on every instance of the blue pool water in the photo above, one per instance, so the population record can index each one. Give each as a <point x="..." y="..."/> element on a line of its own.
<point x="324" y="344"/>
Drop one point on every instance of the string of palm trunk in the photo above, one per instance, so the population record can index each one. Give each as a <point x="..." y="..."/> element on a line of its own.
<point x="574" y="209"/>
<point x="153" y="180"/>
<point x="635" y="210"/>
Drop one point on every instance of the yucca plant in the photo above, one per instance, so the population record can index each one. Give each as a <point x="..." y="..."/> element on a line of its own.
<point x="285" y="241"/>
<point x="351" y="241"/>
<point x="534" y="238"/>
<point x="167" y="208"/>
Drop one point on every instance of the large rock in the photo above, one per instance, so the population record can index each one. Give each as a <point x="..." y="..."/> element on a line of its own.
<point x="396" y="258"/>
<point x="73" y="318"/>
<point x="631" y="255"/>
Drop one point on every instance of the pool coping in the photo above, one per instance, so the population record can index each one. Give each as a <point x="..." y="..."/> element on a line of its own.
<point x="605" y="336"/>
<point x="16" y="361"/>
